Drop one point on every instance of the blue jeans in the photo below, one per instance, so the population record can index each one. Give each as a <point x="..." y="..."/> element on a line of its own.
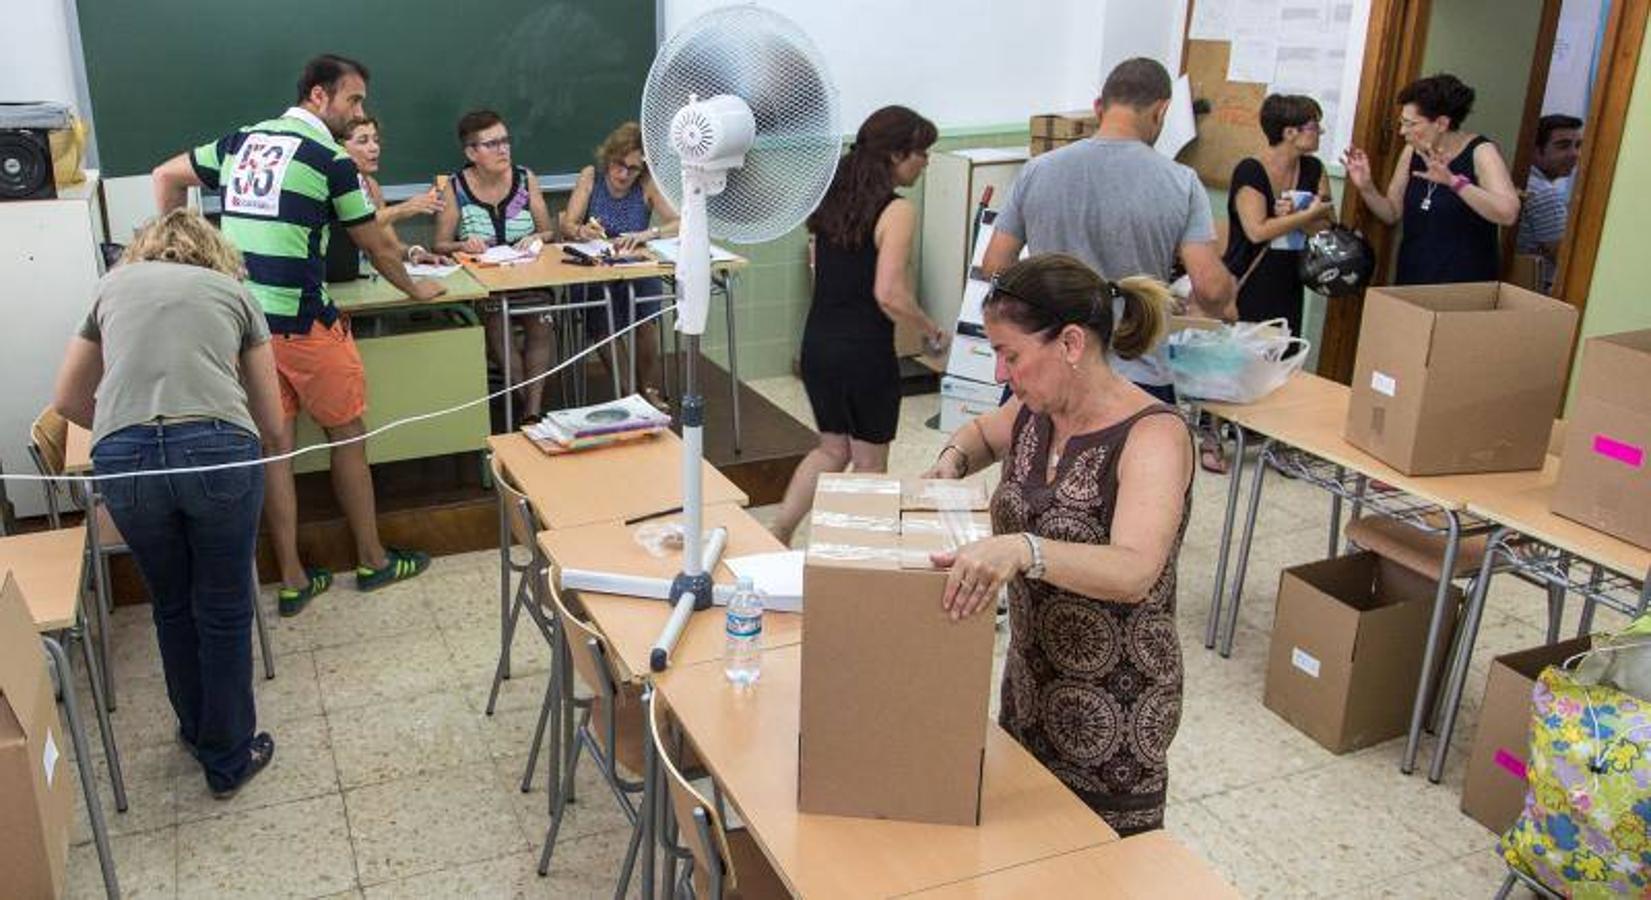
<point x="193" y="536"/>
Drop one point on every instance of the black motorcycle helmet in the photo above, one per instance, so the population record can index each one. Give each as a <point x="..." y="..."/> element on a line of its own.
<point x="1337" y="262"/>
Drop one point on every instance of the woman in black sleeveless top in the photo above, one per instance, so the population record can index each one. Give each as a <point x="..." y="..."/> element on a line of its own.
<point x="861" y="244"/>
<point x="1450" y="187"/>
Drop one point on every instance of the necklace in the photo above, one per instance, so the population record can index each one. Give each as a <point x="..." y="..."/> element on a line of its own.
<point x="1427" y="201"/>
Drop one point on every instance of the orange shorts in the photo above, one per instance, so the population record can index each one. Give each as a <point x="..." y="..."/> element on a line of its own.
<point x="321" y="374"/>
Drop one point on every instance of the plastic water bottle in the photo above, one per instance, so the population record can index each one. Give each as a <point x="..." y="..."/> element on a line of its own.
<point x="742" y="652"/>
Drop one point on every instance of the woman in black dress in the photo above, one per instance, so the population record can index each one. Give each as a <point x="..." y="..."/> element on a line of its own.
<point x="1273" y="198"/>
<point x="861" y="245"/>
<point x="1451" y="188"/>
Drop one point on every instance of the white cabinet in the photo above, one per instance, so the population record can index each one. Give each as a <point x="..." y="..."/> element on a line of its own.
<point x="49" y="267"/>
<point x="951" y="192"/>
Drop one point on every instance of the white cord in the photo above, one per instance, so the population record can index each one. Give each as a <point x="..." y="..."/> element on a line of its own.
<point x="328" y="445"/>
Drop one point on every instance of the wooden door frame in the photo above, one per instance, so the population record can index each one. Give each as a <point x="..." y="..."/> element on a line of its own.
<point x="1613" y="90"/>
<point x="1394" y="39"/>
<point x="1536" y="90"/>
<point x="1392" y="58"/>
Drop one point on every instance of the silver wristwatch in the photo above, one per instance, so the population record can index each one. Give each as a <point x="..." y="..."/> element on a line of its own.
<point x="1036" y="569"/>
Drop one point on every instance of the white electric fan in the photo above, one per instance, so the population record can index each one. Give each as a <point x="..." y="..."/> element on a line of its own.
<point x="740" y="127"/>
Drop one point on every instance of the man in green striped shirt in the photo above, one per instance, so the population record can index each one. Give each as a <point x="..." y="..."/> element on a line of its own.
<point x="283" y="184"/>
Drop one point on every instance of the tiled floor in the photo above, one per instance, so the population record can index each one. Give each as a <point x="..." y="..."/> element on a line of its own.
<point x="389" y="782"/>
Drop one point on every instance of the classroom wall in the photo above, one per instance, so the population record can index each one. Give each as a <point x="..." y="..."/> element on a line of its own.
<point x="1622" y="271"/>
<point x="947" y="60"/>
<point x="35" y="60"/>
<point x="1489" y="44"/>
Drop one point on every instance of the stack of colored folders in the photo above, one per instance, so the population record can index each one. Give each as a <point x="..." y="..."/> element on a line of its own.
<point x="588" y="427"/>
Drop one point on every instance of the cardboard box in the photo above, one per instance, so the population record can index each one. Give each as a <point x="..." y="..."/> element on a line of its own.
<point x="36" y="787"/>
<point x="1458" y="378"/>
<point x="894" y="693"/>
<point x="1347" y="647"/>
<point x="962" y="399"/>
<point x="1494" y="792"/>
<point x="1064" y="126"/>
<point x="1603" y="479"/>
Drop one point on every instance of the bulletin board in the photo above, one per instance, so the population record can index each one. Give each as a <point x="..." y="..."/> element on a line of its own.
<point x="1312" y="47"/>
<point x="1231" y="130"/>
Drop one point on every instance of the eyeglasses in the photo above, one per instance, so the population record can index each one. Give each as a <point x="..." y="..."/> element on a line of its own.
<point x="998" y="288"/>
<point x="633" y="170"/>
<point x="496" y="144"/>
<point x="1314" y="127"/>
<point x="1409" y="123"/>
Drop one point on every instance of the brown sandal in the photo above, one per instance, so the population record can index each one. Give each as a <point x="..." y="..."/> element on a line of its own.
<point x="1212" y="456"/>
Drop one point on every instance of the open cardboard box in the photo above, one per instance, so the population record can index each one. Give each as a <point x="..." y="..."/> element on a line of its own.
<point x="894" y="693"/>
<point x="1346" y="650"/>
<point x="1494" y="792"/>
<point x="1458" y="378"/>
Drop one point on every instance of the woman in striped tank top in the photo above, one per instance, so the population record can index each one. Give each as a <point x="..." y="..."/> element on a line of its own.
<point x="491" y="201"/>
<point x="618" y="200"/>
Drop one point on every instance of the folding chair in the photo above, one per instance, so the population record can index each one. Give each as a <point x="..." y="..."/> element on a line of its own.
<point x="609" y="730"/>
<point x="518" y="524"/>
<point x="726" y="864"/>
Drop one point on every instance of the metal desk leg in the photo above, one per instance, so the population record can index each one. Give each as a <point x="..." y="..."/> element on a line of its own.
<point x="1244" y="548"/>
<point x="1456" y="678"/>
<point x="507" y="344"/>
<point x="111" y="751"/>
<point x="613" y="332"/>
<point x="505" y="540"/>
<point x="727" y="282"/>
<point x="650" y="792"/>
<point x="83" y="759"/>
<point x="1556" y="600"/>
<point x="1358" y="498"/>
<point x="1424" y="684"/>
<point x="1585" y="625"/>
<point x="100" y="602"/>
<point x="1335" y="517"/>
<point x="631" y="339"/>
<point x="1233" y="479"/>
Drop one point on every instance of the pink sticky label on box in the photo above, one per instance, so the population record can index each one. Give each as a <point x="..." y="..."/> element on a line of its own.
<point x="1511" y="764"/>
<point x="1627" y="454"/>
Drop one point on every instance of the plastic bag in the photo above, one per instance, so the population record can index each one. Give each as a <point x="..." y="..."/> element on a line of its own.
<point x="1621" y="660"/>
<point x="1239" y="363"/>
<point x="1585" y="831"/>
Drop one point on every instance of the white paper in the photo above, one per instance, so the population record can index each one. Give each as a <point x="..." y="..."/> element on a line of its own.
<point x="1212" y="20"/>
<point x="49" y="757"/>
<point x="430" y="270"/>
<point x="506" y="255"/>
<point x="1253" y="60"/>
<point x="590" y="248"/>
<point x="779" y="576"/>
<point x="669" y="249"/>
<point x="1180" y="125"/>
<point x="1304" y="661"/>
<point x="971" y="312"/>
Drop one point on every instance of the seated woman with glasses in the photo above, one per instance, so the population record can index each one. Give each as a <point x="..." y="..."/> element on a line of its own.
<point x="489" y="202"/>
<point x="617" y="200"/>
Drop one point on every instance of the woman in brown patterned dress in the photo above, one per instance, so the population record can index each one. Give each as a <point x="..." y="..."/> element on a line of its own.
<point x="1087" y="525"/>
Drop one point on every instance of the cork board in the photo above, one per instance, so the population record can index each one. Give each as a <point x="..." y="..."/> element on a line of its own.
<point x="1231" y="130"/>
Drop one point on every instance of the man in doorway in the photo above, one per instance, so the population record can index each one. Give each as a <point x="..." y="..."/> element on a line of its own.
<point x="1120" y="206"/>
<point x="1542" y="220"/>
<point x="283" y="183"/>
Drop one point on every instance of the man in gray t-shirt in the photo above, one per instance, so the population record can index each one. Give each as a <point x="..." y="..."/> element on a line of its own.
<point x="1118" y="205"/>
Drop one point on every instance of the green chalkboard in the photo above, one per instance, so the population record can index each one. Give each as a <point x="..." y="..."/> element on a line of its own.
<point x="166" y="75"/>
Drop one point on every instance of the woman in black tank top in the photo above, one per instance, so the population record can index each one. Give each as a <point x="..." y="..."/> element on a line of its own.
<point x="861" y="245"/>
<point x="1451" y="188"/>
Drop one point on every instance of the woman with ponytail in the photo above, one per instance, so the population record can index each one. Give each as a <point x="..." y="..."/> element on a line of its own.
<point x="861" y="248"/>
<point x="1087" y="523"/>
